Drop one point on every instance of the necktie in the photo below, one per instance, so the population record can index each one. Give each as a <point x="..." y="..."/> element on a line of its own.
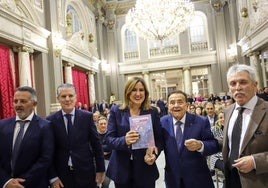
<point x="178" y="133"/>
<point x="17" y="143"/>
<point x="236" y="135"/>
<point x="69" y="125"/>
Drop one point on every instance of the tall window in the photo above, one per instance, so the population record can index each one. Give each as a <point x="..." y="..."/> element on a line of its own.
<point x="130" y="44"/>
<point x="198" y="33"/>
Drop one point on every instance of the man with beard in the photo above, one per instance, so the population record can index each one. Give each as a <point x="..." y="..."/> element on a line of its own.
<point x="26" y="144"/>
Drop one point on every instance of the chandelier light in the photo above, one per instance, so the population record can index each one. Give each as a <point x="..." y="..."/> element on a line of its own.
<point x="159" y="19"/>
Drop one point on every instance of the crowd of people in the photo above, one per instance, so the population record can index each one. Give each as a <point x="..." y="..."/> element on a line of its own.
<point x="81" y="147"/>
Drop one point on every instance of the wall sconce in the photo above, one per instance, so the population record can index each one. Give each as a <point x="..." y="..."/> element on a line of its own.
<point x="58" y="43"/>
<point x="255" y="5"/>
<point x="244" y="12"/>
<point x="216" y="4"/>
<point x="90" y="38"/>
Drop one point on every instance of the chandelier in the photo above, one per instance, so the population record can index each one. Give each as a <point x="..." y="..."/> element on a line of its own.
<point x="159" y="19"/>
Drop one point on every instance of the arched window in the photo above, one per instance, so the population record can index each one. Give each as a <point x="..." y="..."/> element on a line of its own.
<point x="198" y="32"/>
<point x="130" y="44"/>
<point x="73" y="19"/>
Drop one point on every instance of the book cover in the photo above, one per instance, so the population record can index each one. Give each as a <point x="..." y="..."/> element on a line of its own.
<point x="143" y="125"/>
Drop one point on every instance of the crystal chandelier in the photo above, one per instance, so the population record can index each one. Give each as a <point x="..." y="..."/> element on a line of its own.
<point x="159" y="19"/>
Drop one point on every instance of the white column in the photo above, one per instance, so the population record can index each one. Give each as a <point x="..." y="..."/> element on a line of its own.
<point x="210" y="81"/>
<point x="146" y="79"/>
<point x="187" y="80"/>
<point x="254" y="62"/>
<point x="25" y="67"/>
<point x="92" y="95"/>
<point x="68" y="73"/>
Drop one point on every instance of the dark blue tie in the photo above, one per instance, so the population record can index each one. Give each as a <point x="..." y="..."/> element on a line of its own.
<point x="69" y="126"/>
<point x="178" y="134"/>
<point x="17" y="143"/>
<point x="236" y="135"/>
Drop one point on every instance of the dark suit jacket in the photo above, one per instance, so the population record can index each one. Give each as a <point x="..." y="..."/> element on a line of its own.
<point x="255" y="143"/>
<point x="120" y="169"/>
<point x="86" y="148"/>
<point x="35" y="154"/>
<point x="187" y="165"/>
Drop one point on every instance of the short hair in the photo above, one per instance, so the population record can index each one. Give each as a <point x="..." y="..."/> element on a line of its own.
<point x="65" y="85"/>
<point x="178" y="92"/>
<point x="239" y="68"/>
<point x="102" y="118"/>
<point x="30" y="90"/>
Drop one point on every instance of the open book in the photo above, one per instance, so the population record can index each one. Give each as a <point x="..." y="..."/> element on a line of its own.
<point x="143" y="125"/>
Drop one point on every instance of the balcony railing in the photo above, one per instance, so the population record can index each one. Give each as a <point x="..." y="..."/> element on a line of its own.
<point x="164" y="51"/>
<point x="199" y="47"/>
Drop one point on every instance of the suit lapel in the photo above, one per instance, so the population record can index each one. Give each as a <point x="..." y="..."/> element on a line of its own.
<point x="255" y="120"/>
<point x="227" y="116"/>
<point x="170" y="126"/>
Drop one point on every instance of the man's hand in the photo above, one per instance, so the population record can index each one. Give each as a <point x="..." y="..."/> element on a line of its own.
<point x="193" y="144"/>
<point x="15" y="183"/>
<point x="100" y="178"/>
<point x="57" y="184"/>
<point x="244" y="164"/>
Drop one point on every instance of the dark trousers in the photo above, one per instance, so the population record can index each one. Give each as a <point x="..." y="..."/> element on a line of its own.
<point x="77" y="179"/>
<point x="233" y="179"/>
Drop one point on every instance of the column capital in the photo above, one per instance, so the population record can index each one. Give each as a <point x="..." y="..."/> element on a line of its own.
<point x="145" y="72"/>
<point x="23" y="49"/>
<point x="68" y="64"/>
<point x="186" y="68"/>
<point x="255" y="53"/>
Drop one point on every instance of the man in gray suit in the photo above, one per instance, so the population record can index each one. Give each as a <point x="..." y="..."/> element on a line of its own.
<point x="250" y="165"/>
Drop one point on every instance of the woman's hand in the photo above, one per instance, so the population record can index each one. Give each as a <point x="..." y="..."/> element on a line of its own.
<point x="151" y="155"/>
<point x="132" y="137"/>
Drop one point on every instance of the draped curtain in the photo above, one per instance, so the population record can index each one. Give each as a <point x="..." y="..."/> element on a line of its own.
<point x="7" y="83"/>
<point x="80" y="82"/>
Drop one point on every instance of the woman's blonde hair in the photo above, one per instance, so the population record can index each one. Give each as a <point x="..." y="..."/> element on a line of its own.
<point x="130" y="84"/>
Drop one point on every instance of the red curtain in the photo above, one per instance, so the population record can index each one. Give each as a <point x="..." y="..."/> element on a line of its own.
<point x="80" y="82"/>
<point x="7" y="87"/>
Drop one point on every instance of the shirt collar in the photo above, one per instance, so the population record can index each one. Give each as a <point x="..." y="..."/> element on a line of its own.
<point x="181" y="120"/>
<point x="72" y="112"/>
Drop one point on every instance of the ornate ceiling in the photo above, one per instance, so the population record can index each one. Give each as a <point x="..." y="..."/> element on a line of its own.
<point x="121" y="6"/>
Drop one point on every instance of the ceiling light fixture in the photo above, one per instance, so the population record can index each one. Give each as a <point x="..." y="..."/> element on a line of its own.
<point x="159" y="19"/>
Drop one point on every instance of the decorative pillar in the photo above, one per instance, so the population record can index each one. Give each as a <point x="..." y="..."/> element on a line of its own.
<point x="210" y="81"/>
<point x="91" y="86"/>
<point x="68" y="73"/>
<point x="146" y="78"/>
<point x="187" y="80"/>
<point x="254" y="62"/>
<point x="25" y="73"/>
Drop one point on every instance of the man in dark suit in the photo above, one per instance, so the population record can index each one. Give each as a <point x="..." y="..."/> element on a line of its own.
<point x="188" y="140"/>
<point x="250" y="166"/>
<point x="25" y="150"/>
<point x="210" y="113"/>
<point x="78" y="160"/>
